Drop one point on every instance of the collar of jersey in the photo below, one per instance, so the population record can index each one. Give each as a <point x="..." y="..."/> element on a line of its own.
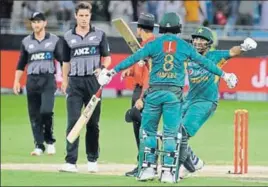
<point x="91" y="29"/>
<point x="47" y="35"/>
<point x="148" y="40"/>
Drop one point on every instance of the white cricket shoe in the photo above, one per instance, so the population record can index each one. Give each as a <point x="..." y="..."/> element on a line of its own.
<point x="92" y="167"/>
<point x="199" y="165"/>
<point x="146" y="174"/>
<point x="37" y="152"/>
<point x="67" y="167"/>
<point x="167" y="177"/>
<point x="184" y="173"/>
<point x="51" y="149"/>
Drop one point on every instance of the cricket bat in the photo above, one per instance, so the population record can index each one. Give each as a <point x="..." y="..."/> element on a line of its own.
<point x="127" y="34"/>
<point x="84" y="117"/>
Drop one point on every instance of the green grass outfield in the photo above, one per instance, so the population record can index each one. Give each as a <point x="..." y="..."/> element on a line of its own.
<point x="26" y="178"/>
<point x="214" y="142"/>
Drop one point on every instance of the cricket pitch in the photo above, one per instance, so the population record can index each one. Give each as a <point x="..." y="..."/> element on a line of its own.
<point x="255" y="172"/>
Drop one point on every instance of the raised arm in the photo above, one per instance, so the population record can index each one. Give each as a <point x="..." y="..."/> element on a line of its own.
<point x="229" y="78"/>
<point x="139" y="55"/>
<point x="248" y="44"/>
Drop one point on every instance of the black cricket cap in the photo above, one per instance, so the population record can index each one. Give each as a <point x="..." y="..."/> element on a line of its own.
<point x="146" y="21"/>
<point x="37" y="16"/>
<point x="133" y="115"/>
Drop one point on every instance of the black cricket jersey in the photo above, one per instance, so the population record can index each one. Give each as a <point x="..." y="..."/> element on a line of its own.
<point x="39" y="55"/>
<point x="84" y="53"/>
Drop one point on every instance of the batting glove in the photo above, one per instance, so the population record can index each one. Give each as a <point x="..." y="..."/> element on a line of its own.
<point x="105" y="76"/>
<point x="248" y="44"/>
<point x="230" y="79"/>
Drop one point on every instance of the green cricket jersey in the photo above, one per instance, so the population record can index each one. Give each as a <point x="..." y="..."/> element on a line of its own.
<point x="203" y="84"/>
<point x="168" y="54"/>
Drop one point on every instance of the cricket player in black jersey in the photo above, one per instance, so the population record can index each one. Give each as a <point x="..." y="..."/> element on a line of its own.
<point x="83" y="48"/>
<point x="38" y="52"/>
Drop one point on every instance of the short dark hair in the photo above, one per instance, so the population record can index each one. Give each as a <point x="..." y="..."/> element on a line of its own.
<point x="147" y="30"/>
<point x="173" y="30"/>
<point x="83" y="5"/>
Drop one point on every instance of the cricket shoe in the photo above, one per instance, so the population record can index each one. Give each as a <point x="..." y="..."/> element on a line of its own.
<point x="199" y="165"/>
<point x="92" y="167"/>
<point x="184" y="173"/>
<point x="132" y="173"/>
<point x="51" y="149"/>
<point x="147" y="173"/>
<point x="167" y="177"/>
<point x="37" y="152"/>
<point x="67" y="167"/>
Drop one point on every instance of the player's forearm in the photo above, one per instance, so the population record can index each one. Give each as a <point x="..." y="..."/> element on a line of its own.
<point x="207" y="64"/>
<point x="124" y="65"/>
<point x="65" y="71"/>
<point x="106" y="61"/>
<point x="139" y="55"/>
<point x="235" y="51"/>
<point x="144" y="88"/>
<point x="210" y="66"/>
<point x="18" y="75"/>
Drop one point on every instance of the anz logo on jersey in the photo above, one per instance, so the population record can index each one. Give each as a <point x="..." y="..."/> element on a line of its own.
<point x="85" y="51"/>
<point x="41" y="56"/>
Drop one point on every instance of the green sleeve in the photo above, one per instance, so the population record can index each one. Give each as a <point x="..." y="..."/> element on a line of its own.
<point x="224" y="54"/>
<point x="204" y="62"/>
<point x="139" y="55"/>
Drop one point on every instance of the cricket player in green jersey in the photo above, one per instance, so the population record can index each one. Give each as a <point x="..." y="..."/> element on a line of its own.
<point x="202" y="98"/>
<point x="164" y="96"/>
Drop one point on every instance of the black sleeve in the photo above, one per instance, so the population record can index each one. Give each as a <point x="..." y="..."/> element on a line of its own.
<point x="66" y="51"/>
<point x="104" y="46"/>
<point x="58" y="51"/>
<point x="23" y="58"/>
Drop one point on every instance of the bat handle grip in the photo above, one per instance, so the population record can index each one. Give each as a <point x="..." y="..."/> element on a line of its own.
<point x="98" y="94"/>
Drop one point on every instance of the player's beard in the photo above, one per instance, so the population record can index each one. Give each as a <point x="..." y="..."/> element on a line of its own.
<point x="202" y="48"/>
<point x="38" y="29"/>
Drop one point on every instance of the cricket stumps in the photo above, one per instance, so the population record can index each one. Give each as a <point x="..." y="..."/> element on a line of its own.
<point x="240" y="141"/>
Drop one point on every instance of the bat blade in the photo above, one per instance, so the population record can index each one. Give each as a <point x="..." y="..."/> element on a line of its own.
<point x="127" y="34"/>
<point x="84" y="118"/>
<point x="129" y="37"/>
